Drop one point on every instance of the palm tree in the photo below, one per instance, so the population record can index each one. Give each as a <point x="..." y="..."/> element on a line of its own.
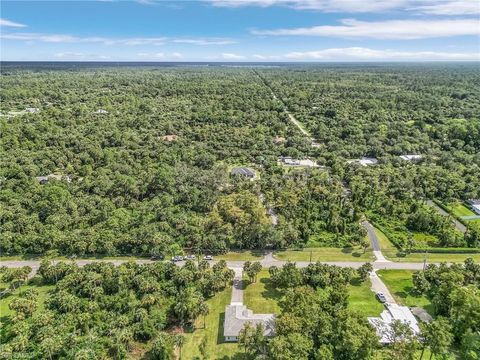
<point x="204" y="310"/>
<point x="179" y="341"/>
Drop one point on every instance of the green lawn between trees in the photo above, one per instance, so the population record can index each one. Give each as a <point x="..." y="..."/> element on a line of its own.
<point x="326" y="254"/>
<point x="392" y="253"/>
<point x="458" y="210"/>
<point x="400" y="284"/>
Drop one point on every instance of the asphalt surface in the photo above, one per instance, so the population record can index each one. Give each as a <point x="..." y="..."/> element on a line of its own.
<point x="372" y="235"/>
<point x="266" y="262"/>
<point x="460" y="227"/>
<point x="237" y="288"/>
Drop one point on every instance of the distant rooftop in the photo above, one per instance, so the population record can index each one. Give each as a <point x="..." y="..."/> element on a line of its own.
<point x="288" y="161"/>
<point x="364" y="161"/>
<point x="411" y="157"/>
<point x="244" y="171"/>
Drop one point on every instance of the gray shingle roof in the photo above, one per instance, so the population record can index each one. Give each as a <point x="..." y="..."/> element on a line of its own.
<point x="237" y="315"/>
<point x="245" y="171"/>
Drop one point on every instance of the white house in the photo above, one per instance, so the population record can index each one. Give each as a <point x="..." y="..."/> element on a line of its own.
<point x="383" y="324"/>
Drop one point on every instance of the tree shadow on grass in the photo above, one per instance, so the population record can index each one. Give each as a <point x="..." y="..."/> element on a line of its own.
<point x="220" y="337"/>
<point x="347" y="250"/>
<point x="270" y="292"/>
<point x="356" y="281"/>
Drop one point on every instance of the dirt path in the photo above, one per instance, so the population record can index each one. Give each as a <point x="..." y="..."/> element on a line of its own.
<point x="292" y="118"/>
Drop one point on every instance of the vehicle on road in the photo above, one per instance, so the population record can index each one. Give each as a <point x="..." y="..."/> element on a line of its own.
<point x="381" y="297"/>
<point x="208" y="257"/>
<point x="177" y="258"/>
<point x="190" y="257"/>
<point x="157" y="257"/>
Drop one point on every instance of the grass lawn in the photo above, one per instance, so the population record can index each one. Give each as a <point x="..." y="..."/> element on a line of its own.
<point x="247" y="255"/>
<point x="392" y="253"/>
<point x="5" y="312"/>
<point x="325" y="254"/>
<point x="261" y="297"/>
<point x="362" y="300"/>
<point x="216" y="348"/>
<point x="400" y="284"/>
<point x="458" y="209"/>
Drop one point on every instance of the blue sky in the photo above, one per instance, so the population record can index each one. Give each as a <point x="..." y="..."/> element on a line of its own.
<point x="241" y="30"/>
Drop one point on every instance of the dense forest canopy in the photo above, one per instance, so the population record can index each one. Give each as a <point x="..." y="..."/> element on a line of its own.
<point x="143" y="155"/>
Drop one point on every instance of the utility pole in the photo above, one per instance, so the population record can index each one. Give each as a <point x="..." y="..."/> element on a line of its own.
<point x="425" y="260"/>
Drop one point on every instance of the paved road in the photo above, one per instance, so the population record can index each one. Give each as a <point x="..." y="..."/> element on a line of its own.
<point x="266" y="262"/>
<point x="460" y="227"/>
<point x="377" y="251"/>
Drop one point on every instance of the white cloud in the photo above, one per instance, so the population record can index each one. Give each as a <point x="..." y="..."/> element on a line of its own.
<point x="204" y="41"/>
<point x="61" y="38"/>
<point x="134" y="41"/>
<point x="389" y="29"/>
<point x="322" y="5"/>
<point x="359" y="53"/>
<point x="230" y="56"/>
<point x="160" y="55"/>
<point x="5" y="22"/>
<point x="80" y="56"/>
<point x="69" y="55"/>
<point x="460" y="7"/>
<point x="440" y="7"/>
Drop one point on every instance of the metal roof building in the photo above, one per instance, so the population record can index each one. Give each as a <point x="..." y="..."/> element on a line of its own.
<point x="243" y="171"/>
<point x="383" y="324"/>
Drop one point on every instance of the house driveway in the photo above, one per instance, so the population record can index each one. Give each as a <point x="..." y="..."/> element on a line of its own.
<point x="379" y="286"/>
<point x="237" y="288"/>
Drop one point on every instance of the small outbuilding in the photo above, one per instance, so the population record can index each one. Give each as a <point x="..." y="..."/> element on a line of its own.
<point x="101" y="112"/>
<point x="243" y="171"/>
<point x="32" y="110"/>
<point x="46" y="178"/>
<point x="169" y="138"/>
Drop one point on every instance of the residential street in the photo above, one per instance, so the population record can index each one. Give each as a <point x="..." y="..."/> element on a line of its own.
<point x="266" y="262"/>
